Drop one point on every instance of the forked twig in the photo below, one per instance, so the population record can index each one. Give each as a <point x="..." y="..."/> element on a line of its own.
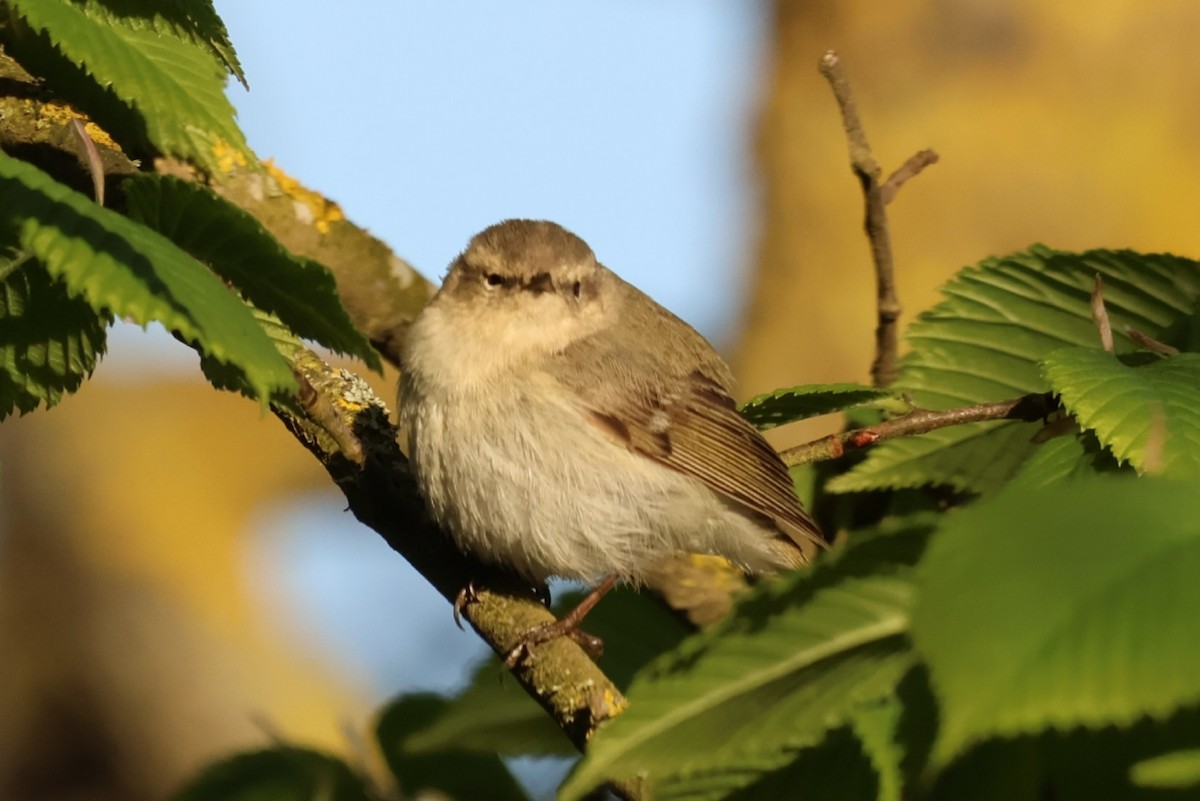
<point x="877" y="194"/>
<point x="909" y="169"/>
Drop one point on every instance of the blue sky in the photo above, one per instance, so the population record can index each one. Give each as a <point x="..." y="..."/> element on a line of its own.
<point x="624" y="120"/>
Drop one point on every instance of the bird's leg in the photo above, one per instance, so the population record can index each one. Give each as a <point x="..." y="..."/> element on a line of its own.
<point x="567" y="625"/>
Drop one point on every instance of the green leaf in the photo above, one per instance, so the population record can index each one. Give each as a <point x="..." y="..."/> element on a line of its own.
<point x="984" y="344"/>
<point x="49" y="341"/>
<point x="449" y="772"/>
<point x="998" y="770"/>
<point x="1083" y="764"/>
<point x="195" y="20"/>
<point x="1065" y="457"/>
<point x="192" y="20"/>
<point x="1177" y="770"/>
<point x="232" y="378"/>
<point x="1068" y="606"/>
<point x="153" y="73"/>
<point x="124" y="268"/>
<point x="276" y="774"/>
<point x="797" y="655"/>
<point x="836" y="768"/>
<point x="507" y="721"/>
<point x="798" y="403"/>
<point x="1123" y="404"/>
<point x="497" y="716"/>
<point x="875" y="725"/>
<point x="300" y="292"/>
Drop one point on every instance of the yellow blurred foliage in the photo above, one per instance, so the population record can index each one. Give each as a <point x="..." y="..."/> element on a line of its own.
<point x="130" y="626"/>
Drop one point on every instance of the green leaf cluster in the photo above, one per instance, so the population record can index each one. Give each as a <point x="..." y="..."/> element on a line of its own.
<point x="1028" y="634"/>
<point x="293" y="773"/>
<point x="987" y="340"/>
<point x="152" y="74"/>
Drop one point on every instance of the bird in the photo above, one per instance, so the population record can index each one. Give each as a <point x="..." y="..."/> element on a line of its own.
<point x="561" y="423"/>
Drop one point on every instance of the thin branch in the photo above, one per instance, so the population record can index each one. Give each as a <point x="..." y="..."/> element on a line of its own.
<point x="1150" y="343"/>
<point x="885" y="367"/>
<point x="861" y="158"/>
<point x="1027" y="407"/>
<point x="910" y="169"/>
<point x="876" y="194"/>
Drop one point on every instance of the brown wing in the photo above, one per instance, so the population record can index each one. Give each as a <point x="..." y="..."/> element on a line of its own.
<point x="686" y="421"/>
<point x="700" y="433"/>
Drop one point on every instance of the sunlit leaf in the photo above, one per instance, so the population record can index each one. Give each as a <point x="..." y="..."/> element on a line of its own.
<point x="300" y="292"/>
<point x="126" y="269"/>
<point x="1144" y="413"/>
<point x="798" y="403"/>
<point x="787" y="667"/>
<point x="1062" y="607"/>
<point x="150" y="76"/>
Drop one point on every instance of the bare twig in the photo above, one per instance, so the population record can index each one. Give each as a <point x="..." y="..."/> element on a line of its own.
<point x="877" y="194"/>
<point x="921" y="421"/>
<point x="909" y="169"/>
<point x="1149" y="343"/>
<point x="861" y="158"/>
<point x="1100" y="315"/>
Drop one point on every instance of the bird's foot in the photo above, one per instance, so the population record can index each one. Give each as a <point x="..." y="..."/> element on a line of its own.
<point x="552" y="631"/>
<point x="566" y="626"/>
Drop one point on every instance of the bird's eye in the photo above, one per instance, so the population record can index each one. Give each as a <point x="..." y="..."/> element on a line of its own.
<point x="494" y="279"/>
<point x="576" y="288"/>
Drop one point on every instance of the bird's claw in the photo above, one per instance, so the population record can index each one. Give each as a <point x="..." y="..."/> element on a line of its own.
<point x="466" y="595"/>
